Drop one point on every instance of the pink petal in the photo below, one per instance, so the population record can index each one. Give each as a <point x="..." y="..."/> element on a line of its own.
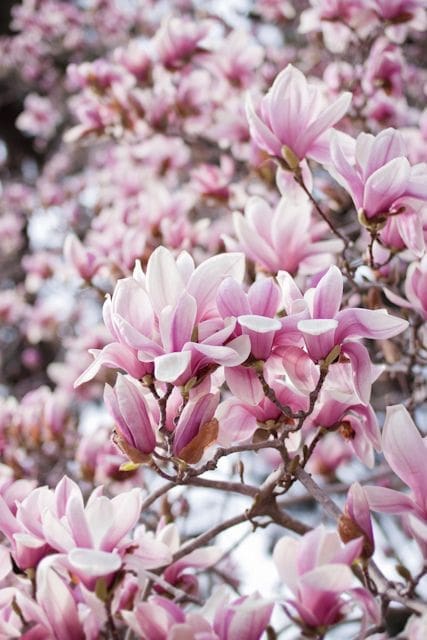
<point x="92" y="563"/>
<point x="170" y="366"/>
<point x="405" y="450"/>
<point x="250" y="619"/>
<point x="417" y="185"/>
<point x="177" y="323"/>
<point x="235" y="352"/>
<point x="231" y="299"/>
<point x="329" y="577"/>
<point x="362" y="369"/>
<point x="133" y="409"/>
<point x="347" y="174"/>
<point x="204" y="282"/>
<point x="285" y="556"/>
<point x="164" y="282"/>
<point x="194" y="415"/>
<point x="328" y="294"/>
<point x="244" y="384"/>
<point x="114" y="356"/>
<point x="386" y="146"/>
<point x="58" y="603"/>
<point x="385" y="186"/>
<point x="367" y="323"/>
<point x="264" y="297"/>
<point x="261" y="134"/>
<point x="300" y="368"/>
<point x="236" y="422"/>
<point x="410" y="227"/>
<point x="327" y="118"/>
<point x="389" y="500"/>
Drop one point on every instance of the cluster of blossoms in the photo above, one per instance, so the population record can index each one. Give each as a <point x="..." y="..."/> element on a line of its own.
<point x="213" y="319"/>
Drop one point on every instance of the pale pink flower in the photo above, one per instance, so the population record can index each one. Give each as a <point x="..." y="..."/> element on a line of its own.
<point x="384" y="69"/>
<point x="339" y="406"/>
<point x="380" y="179"/>
<point x="337" y="20"/>
<point x="180" y="573"/>
<point x="178" y="40"/>
<point x="194" y="417"/>
<point x="253" y="313"/>
<point x="134" y="430"/>
<point x="287" y="238"/>
<point x="238" y="58"/>
<point x="357" y="520"/>
<point x="166" y="320"/>
<point x="400" y="16"/>
<point x="162" y="619"/>
<point x="293" y="115"/>
<point x="329" y="332"/>
<point x="238" y="420"/>
<point x="85" y="261"/>
<point x="316" y="568"/>
<point x="39" y="118"/>
<point x="416" y="286"/>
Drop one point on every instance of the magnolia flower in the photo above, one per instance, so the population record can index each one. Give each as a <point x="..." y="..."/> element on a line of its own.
<point x="356" y="521"/>
<point x="378" y="176"/>
<point x="293" y="120"/>
<point x="287" y="238"/>
<point x="166" y="322"/>
<point x="246" y="617"/>
<point x="178" y="40"/>
<point x="254" y="315"/>
<point x="338" y="20"/>
<point x="328" y="332"/>
<point x="239" y="420"/>
<point x="415" y="289"/>
<point x="91" y="537"/>
<point x="134" y="432"/>
<point x="316" y="568"/>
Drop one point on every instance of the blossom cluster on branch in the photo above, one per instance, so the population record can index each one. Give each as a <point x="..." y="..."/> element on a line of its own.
<point x="213" y="320"/>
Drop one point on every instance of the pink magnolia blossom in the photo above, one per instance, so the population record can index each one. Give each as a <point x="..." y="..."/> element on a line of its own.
<point x="162" y="619"/>
<point x="405" y="451"/>
<point x="178" y="40"/>
<point x="385" y="69"/>
<point x="357" y="519"/>
<point x="246" y="617"/>
<point x="239" y="420"/>
<point x="179" y="573"/>
<point x="154" y="318"/>
<point x="293" y="115"/>
<point x="196" y="415"/>
<point x="286" y="238"/>
<point x="377" y="174"/>
<point x="91" y="536"/>
<point x="58" y="602"/>
<point x="316" y="568"/>
<point x="11" y="623"/>
<point x="401" y="15"/>
<point x="84" y="261"/>
<point x="134" y="431"/>
<point x="39" y="118"/>
<point x="238" y="59"/>
<point x="254" y="314"/>
<point x="328" y="332"/>
<point x="339" y="406"/>
<point x="337" y="20"/>
<point x="415" y="288"/>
